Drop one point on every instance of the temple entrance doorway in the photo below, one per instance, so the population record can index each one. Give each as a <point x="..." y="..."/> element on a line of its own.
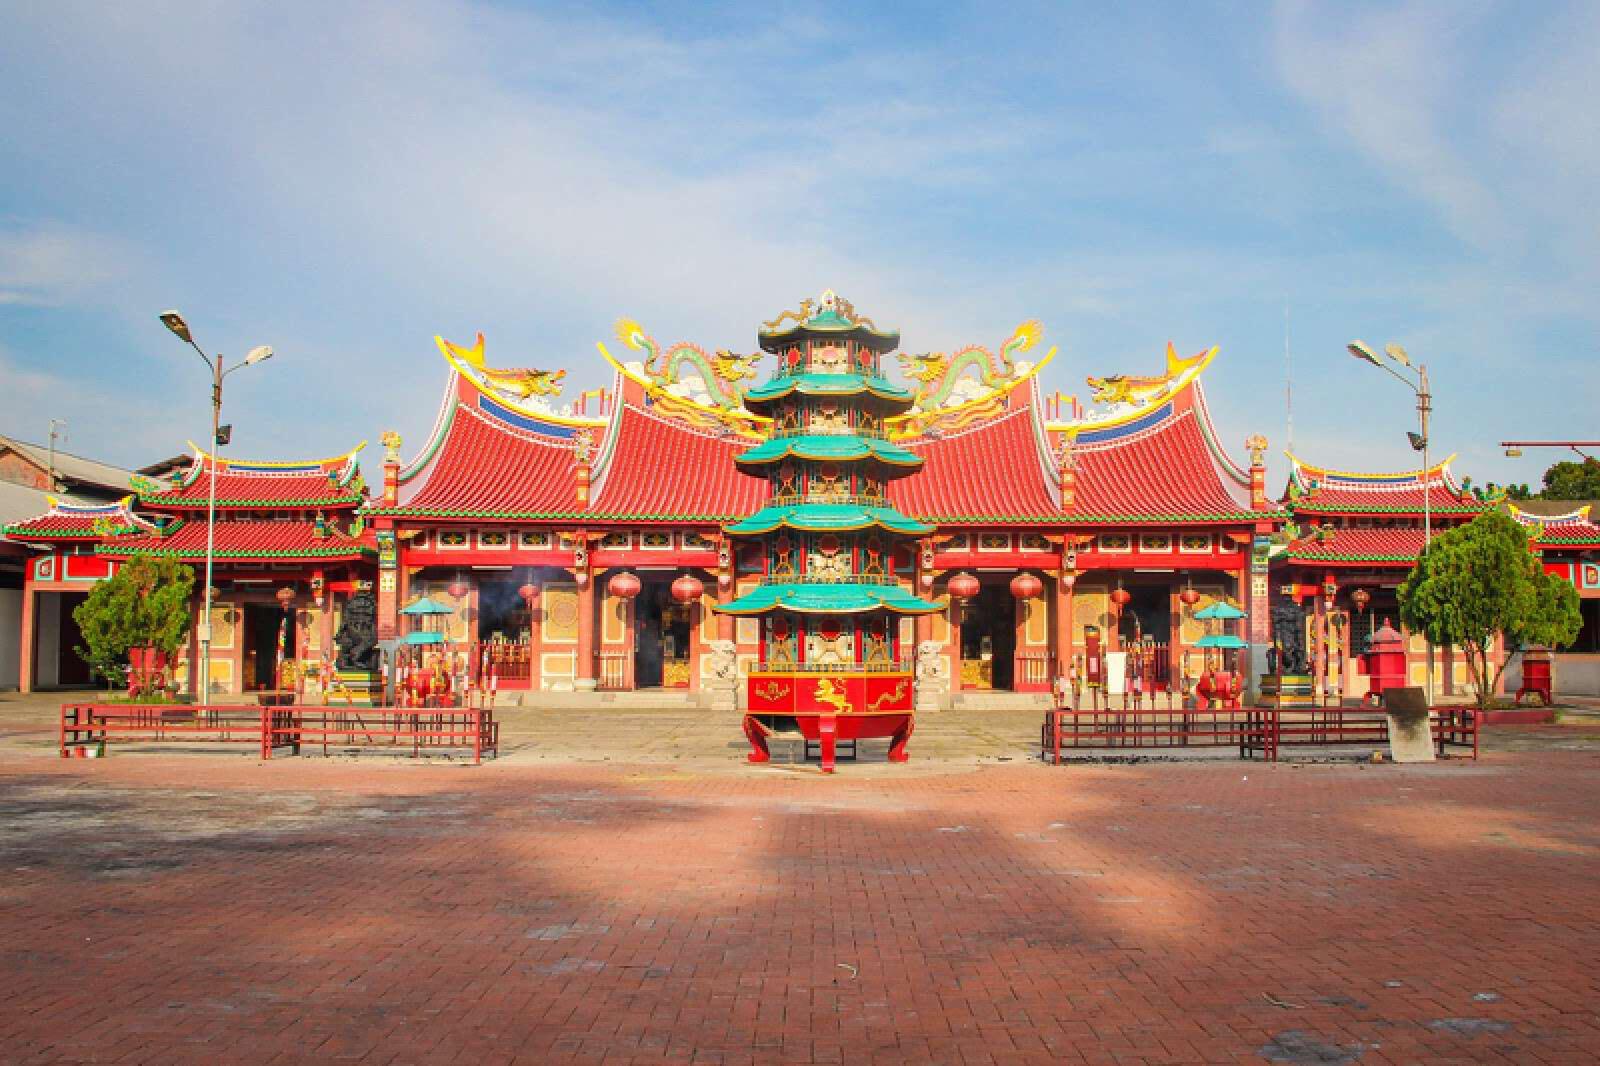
<point x="1148" y="615"/>
<point x="988" y="638"/>
<point x="261" y="626"/>
<point x="660" y="636"/>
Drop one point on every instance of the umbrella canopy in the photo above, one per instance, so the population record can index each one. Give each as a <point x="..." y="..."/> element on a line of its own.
<point x="424" y="638"/>
<point x="1219" y="640"/>
<point x="424" y="605"/>
<point x="1220" y="609"/>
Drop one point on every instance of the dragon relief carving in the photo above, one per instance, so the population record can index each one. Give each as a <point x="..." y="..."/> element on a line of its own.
<point x="1133" y="390"/>
<point x="685" y="372"/>
<point x="518" y="384"/>
<point x="972" y="376"/>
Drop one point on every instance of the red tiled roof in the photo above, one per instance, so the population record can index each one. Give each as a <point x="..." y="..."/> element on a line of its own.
<point x="1163" y="472"/>
<point x="1571" y="528"/>
<point x="326" y="483"/>
<point x="243" y="540"/>
<point x="990" y="473"/>
<point x="488" y="468"/>
<point x="1324" y="491"/>
<point x="662" y="469"/>
<point x="1400" y="545"/>
<point x="65" y="521"/>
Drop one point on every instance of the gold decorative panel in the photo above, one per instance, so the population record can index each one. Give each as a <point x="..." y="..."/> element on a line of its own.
<point x="560" y="603"/>
<point x="1035" y="623"/>
<point x="613" y="619"/>
<point x="1090" y="607"/>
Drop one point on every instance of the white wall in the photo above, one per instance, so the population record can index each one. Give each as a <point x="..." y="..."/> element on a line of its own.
<point x="47" y="633"/>
<point x="10" y="638"/>
<point x="1574" y="675"/>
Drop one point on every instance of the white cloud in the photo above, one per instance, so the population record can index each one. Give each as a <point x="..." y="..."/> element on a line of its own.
<point x="50" y="264"/>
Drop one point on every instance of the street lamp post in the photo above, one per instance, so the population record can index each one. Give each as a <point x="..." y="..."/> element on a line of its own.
<point x="1361" y="350"/>
<point x="174" y="322"/>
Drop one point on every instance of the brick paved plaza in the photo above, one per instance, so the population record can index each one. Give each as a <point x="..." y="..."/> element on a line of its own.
<point x="555" y="906"/>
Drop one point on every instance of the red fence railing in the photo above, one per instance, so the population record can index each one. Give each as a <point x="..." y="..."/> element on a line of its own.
<point x="1252" y="730"/>
<point x="430" y="730"/>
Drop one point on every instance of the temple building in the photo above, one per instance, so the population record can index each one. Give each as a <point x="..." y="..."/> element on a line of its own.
<point x="573" y="546"/>
<point x="287" y="537"/>
<point x="1352" y="538"/>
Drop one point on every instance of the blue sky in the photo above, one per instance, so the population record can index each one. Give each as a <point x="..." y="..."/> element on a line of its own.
<point x="343" y="181"/>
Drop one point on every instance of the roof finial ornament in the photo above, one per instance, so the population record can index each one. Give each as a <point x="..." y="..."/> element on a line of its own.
<point x="1256" y="445"/>
<point x="391" y="446"/>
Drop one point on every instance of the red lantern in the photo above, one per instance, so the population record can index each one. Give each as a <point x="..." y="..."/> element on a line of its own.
<point x="963" y="586"/>
<point x="1189" y="596"/>
<point x="1120" y="597"/>
<point x="285" y="597"/>
<point x="1025" y="586"/>
<point x="623" y="585"/>
<point x="457" y="589"/>
<point x="688" y="589"/>
<point x="528" y="590"/>
<point x="1360" y="597"/>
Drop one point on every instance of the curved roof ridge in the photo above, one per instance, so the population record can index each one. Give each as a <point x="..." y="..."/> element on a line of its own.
<point x="1209" y="429"/>
<point x="1529" y="518"/>
<point x="271" y="466"/>
<point x="1439" y="471"/>
<point x="441" y="426"/>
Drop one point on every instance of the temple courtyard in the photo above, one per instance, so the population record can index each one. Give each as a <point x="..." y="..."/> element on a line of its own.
<point x="620" y="887"/>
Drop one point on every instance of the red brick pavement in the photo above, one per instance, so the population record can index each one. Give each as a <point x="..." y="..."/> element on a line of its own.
<point x="209" y="909"/>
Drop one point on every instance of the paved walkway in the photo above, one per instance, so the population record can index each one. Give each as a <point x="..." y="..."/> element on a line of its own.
<point x="557" y="907"/>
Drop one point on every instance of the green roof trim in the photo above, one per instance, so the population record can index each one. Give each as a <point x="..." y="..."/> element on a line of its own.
<point x="1300" y="506"/>
<point x="843" y="449"/>
<point x="830" y="599"/>
<point x="220" y="553"/>
<point x="184" y="501"/>
<point x="827" y="517"/>
<point x="843" y="385"/>
<point x="21" y="532"/>
<point x="1348" y="557"/>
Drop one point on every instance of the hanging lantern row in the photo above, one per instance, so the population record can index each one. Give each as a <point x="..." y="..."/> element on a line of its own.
<point x="457" y="588"/>
<point x="1189" y="596"/>
<point x="286" y="597"/>
<point x="1360" y="597"/>
<point x="623" y="585"/>
<point x="528" y="590"/>
<point x="963" y="586"/>
<point x="688" y="589"/>
<point x="1120" y="597"/>
<point x="1025" y="586"/>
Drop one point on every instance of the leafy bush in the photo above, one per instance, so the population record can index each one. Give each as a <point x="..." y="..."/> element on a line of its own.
<point x="1479" y="581"/>
<point x="144" y="604"/>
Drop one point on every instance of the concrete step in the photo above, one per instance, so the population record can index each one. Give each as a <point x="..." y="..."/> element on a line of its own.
<point x="1000" y="701"/>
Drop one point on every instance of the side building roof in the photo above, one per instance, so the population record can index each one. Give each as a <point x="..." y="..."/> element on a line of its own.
<point x="1320" y="490"/>
<point x="247" y="484"/>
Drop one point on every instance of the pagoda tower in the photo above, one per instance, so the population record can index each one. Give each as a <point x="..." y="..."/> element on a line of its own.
<point x="835" y="578"/>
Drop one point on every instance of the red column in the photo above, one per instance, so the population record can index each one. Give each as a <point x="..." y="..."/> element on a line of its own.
<point x="535" y="639"/>
<point x="586" y="680"/>
<point x="1063" y="642"/>
<point x="955" y="644"/>
<point x="29" y="650"/>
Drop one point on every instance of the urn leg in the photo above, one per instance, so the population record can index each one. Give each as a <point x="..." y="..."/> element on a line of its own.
<point x="827" y="729"/>
<point x="897" y="748"/>
<point x="758" y="740"/>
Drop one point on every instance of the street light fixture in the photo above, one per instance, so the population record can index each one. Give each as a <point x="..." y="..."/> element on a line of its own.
<point x="180" y="329"/>
<point x="1419" y="441"/>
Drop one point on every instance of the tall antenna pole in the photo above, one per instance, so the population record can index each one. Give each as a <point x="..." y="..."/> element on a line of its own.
<point x="1288" y="384"/>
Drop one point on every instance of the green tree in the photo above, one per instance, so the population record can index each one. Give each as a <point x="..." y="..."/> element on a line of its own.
<point x="1481" y="580"/>
<point x="144" y="604"/>
<point x="1572" y="481"/>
